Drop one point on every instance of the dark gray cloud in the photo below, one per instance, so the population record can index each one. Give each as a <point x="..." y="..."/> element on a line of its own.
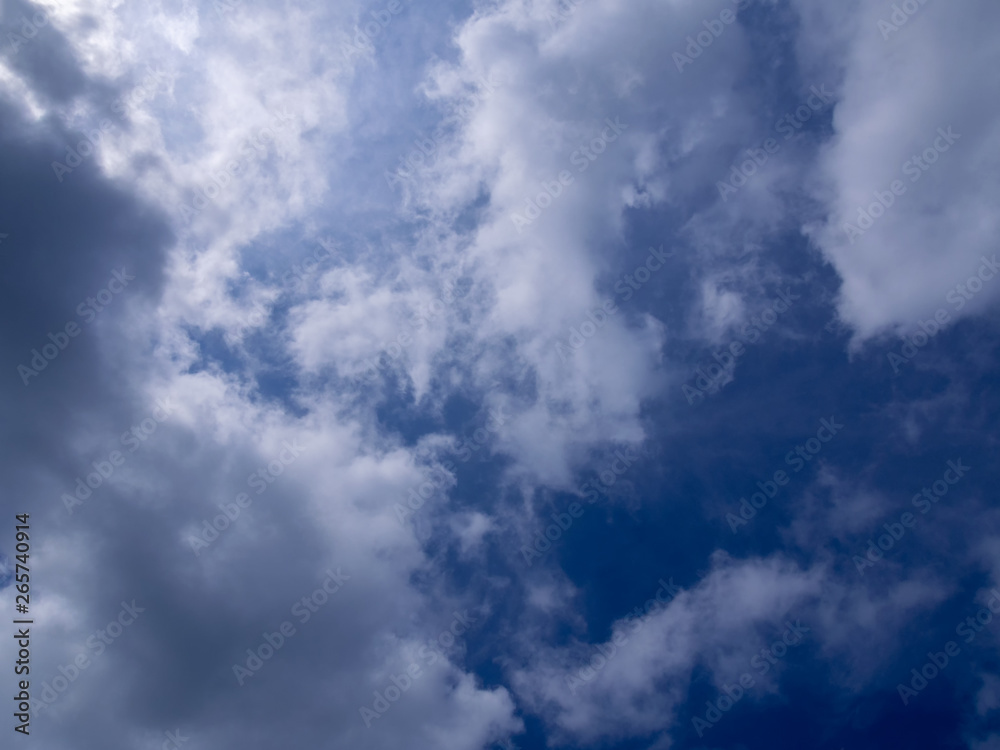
<point x="39" y="52"/>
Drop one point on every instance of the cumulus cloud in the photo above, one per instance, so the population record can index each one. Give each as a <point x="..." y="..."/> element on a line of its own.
<point x="914" y="106"/>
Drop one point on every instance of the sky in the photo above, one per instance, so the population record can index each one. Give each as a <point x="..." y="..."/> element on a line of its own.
<point x="500" y="375"/>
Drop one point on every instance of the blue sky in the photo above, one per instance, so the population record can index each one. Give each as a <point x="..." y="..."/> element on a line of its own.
<point x="521" y="374"/>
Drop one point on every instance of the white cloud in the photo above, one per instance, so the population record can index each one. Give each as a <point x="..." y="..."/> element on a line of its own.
<point x="720" y="624"/>
<point x="896" y="93"/>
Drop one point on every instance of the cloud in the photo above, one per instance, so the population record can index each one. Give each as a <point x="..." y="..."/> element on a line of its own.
<point x="913" y="106"/>
<point x="552" y="246"/>
<point x="640" y="690"/>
